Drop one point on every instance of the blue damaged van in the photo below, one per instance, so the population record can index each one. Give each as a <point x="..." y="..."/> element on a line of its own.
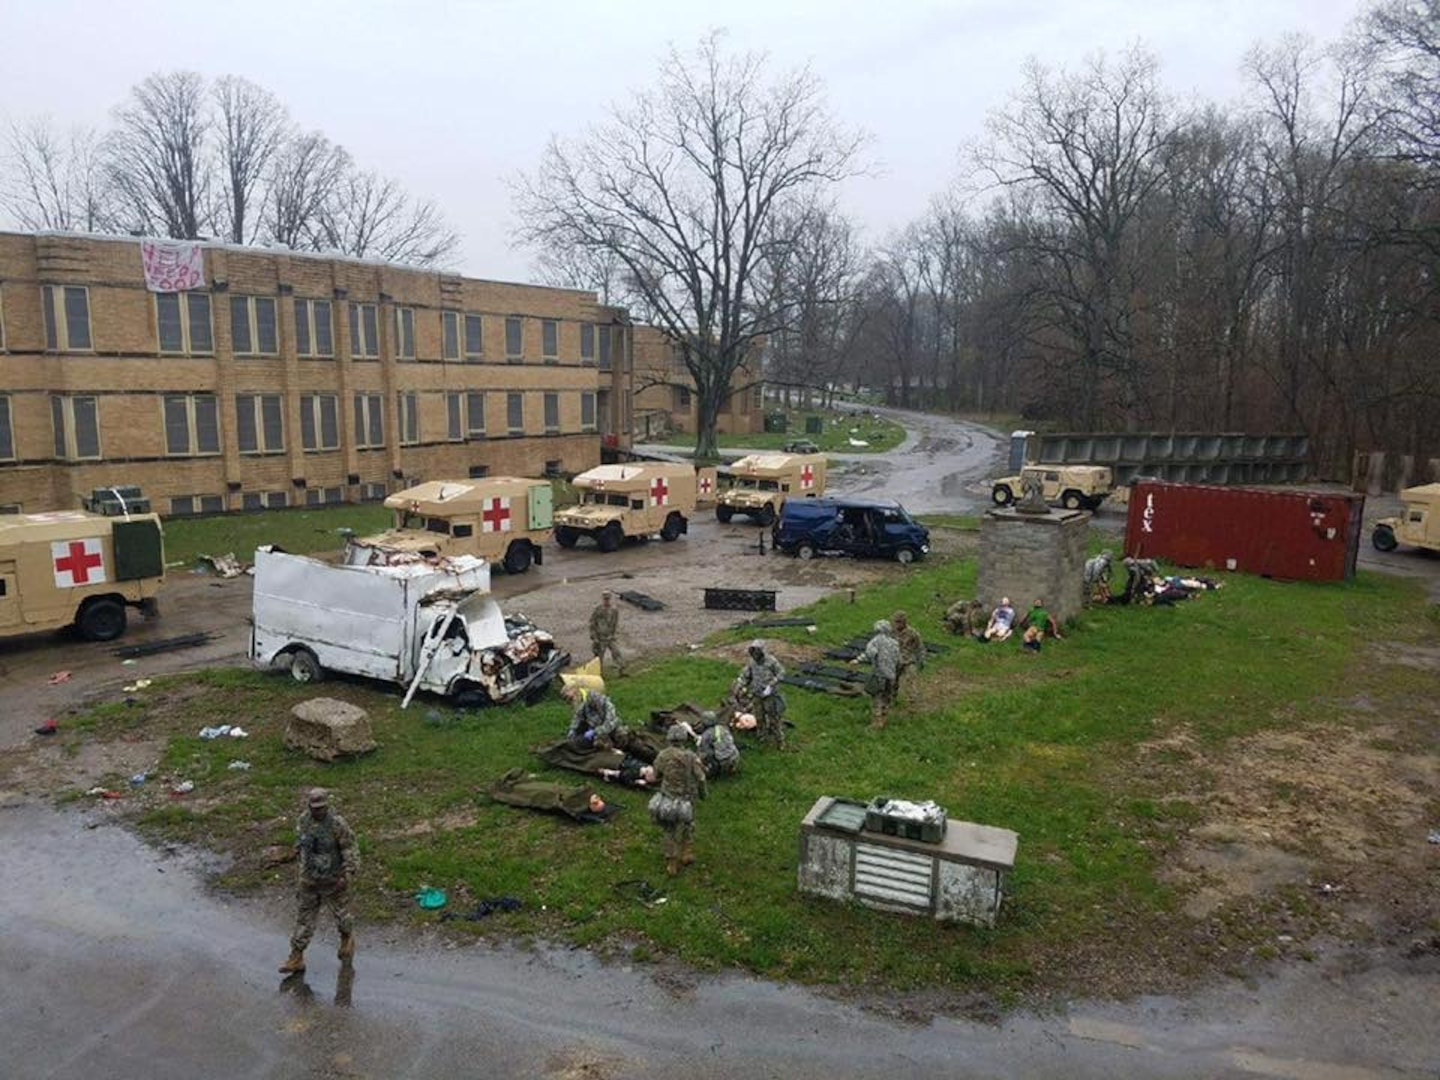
<point x="865" y="528"/>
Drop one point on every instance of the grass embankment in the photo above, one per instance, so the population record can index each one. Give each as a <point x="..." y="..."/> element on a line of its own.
<point x="1042" y="745"/>
<point x="878" y="434"/>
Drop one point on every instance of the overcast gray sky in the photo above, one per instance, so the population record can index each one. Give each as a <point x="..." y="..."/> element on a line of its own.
<point x="454" y="97"/>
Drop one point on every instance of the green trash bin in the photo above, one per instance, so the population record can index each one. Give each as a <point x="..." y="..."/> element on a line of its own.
<point x="814" y="425"/>
<point x="777" y="421"/>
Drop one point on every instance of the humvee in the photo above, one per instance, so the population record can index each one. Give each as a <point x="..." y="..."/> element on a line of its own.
<point x="502" y="519"/>
<point x="631" y="500"/>
<point x="1075" y="487"/>
<point x="762" y="482"/>
<point x="1417" y="525"/>
<point x="73" y="566"/>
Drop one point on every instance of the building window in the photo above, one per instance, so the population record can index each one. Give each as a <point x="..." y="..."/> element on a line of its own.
<point x="604" y="348"/>
<point x="186" y="505"/>
<point x="259" y="424"/>
<point x="364" y="331"/>
<point x="550" y="341"/>
<point x="450" y="335"/>
<point x="192" y="424"/>
<point x="475" y="413"/>
<point x="587" y="410"/>
<point x="2" y="319"/>
<point x="405" y="333"/>
<point x="319" y="422"/>
<point x="682" y="398"/>
<point x="372" y="492"/>
<point x="409" y="402"/>
<point x="182" y="323"/>
<point x="515" y="413"/>
<point x="514" y="339"/>
<point x="552" y="413"/>
<point x="263" y="500"/>
<point x="479" y="472"/>
<point x="369" y="421"/>
<point x="757" y="397"/>
<point x="67" y="318"/>
<point x="454" y="424"/>
<point x="314" y="332"/>
<point x="252" y="326"/>
<point x="7" y="431"/>
<point x="324" y="496"/>
<point x="587" y="343"/>
<point x="77" y="428"/>
<point x="474" y="338"/>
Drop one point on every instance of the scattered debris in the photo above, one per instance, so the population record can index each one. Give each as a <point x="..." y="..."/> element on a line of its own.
<point x="58" y="678"/>
<point x="224" y="731"/>
<point x="239" y="766"/>
<point x="149" y="648"/>
<point x="227" y="565"/>
<point x="740" y="599"/>
<point x="641" y="891"/>
<point x="183" y="788"/>
<point x="49" y="727"/>
<point x="104" y="793"/>
<point x="1434" y="837"/>
<point x="128" y="663"/>
<point x="484" y="909"/>
<point x="430" y="899"/>
<point x="138" y="779"/>
<point x="326" y="728"/>
<point x="138" y="684"/>
<point x="640" y="600"/>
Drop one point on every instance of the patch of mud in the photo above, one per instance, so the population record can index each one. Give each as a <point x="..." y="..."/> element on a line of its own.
<point x="51" y="765"/>
<point x="455" y="819"/>
<point x="583" y="1063"/>
<point x="1421" y="657"/>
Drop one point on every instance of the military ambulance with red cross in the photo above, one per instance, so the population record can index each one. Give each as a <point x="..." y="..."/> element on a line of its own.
<point x="502" y="519"/>
<point x="72" y="566"/>
<point x="760" y="484"/>
<point x="637" y="499"/>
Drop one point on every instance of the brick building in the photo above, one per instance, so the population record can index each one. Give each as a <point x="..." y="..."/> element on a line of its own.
<point x="289" y="379"/>
<point x="665" y="392"/>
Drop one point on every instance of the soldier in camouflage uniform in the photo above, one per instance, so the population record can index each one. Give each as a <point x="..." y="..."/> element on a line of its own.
<point x="326" y="860"/>
<point x="912" y="648"/>
<point x="717" y="749"/>
<point x="681" y="780"/>
<point x="604" y="625"/>
<point x="757" y="690"/>
<point x="595" y="722"/>
<point x="884" y="655"/>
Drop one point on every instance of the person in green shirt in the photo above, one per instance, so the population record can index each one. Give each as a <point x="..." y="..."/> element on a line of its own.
<point x="1037" y="623"/>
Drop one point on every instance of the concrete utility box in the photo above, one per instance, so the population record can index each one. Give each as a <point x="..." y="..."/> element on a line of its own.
<point x="326" y="728"/>
<point x="960" y="879"/>
<point x="1033" y="556"/>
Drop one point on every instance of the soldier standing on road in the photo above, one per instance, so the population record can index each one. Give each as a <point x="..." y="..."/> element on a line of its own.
<point x="604" y="624"/>
<point x="681" y="779"/>
<point x="912" y="648"/>
<point x="884" y="656"/>
<point x="758" y="689"/>
<point x="327" y="859"/>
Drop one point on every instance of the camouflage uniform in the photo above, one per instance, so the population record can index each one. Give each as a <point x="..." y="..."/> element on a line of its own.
<point x="681" y="780"/>
<point x="758" y="690"/>
<point x="912" y="648"/>
<point x="604" y="625"/>
<point x="718" y="752"/>
<point x="884" y="655"/>
<point x="595" y="721"/>
<point x="327" y="860"/>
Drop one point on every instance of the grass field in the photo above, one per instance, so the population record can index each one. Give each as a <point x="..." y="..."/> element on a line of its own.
<point x="839" y="428"/>
<point x="1041" y="744"/>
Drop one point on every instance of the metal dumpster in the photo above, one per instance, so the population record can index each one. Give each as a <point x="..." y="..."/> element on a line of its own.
<point x="1292" y="535"/>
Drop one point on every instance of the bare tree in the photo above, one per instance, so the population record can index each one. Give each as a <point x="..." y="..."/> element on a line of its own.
<point x="306" y="174"/>
<point x="582" y="268"/>
<point x="52" y="182"/>
<point x="156" y="156"/>
<point x="371" y="216"/>
<point x="250" y="130"/>
<point x="681" y="185"/>
<point x="1406" y="36"/>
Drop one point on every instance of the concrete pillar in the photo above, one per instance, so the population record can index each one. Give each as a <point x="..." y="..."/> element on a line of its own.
<point x="1034" y="556"/>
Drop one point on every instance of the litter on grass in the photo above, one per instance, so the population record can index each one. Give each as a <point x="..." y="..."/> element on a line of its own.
<point x="430" y="899"/>
<point x="239" y="766"/>
<point x="224" y="731"/>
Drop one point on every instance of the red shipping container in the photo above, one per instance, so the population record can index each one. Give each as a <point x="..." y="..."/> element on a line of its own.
<point x="1294" y="535"/>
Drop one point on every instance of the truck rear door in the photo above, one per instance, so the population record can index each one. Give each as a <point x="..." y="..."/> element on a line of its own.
<point x="541" y="500"/>
<point x="9" y="595"/>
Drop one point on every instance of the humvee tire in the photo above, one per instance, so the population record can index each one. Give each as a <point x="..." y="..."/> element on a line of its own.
<point x="101" y="619"/>
<point x="1001" y="495"/>
<point x="1384" y="538"/>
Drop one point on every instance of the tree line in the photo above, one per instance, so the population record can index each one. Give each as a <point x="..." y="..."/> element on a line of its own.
<point x="1109" y="256"/>
<point x="191" y="159"/>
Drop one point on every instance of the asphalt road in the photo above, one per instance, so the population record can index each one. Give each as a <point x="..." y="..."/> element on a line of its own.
<point x="118" y="962"/>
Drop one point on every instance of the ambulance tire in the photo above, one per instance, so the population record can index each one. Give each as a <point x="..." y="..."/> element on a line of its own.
<point x="565" y="536"/>
<point x="517" y="557"/>
<point x="723" y="514"/>
<point x="673" y="527"/>
<point x="610" y="537"/>
<point x="305" y="667"/>
<point x="101" y="619"/>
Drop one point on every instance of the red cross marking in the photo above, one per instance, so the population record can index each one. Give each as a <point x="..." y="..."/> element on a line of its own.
<point x="496" y="516"/>
<point x="807" y="476"/>
<point x="704" y="485"/>
<point x="659" y="490"/>
<point x="78" y="563"/>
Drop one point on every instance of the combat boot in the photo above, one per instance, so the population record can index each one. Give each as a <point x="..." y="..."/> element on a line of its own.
<point x="295" y="964"/>
<point x="347" y="947"/>
<point x="687" y="854"/>
<point x="672" y="866"/>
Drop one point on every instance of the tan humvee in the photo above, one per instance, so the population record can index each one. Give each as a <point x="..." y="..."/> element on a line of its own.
<point x="762" y="482"/>
<point x="72" y="566"/>
<point x="1075" y="487"/>
<point x="1418" y="524"/>
<point x="502" y="519"/>
<point x="707" y="487"/>
<point x="637" y="499"/>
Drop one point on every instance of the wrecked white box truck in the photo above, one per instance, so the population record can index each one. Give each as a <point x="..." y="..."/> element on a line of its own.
<point x="425" y="626"/>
